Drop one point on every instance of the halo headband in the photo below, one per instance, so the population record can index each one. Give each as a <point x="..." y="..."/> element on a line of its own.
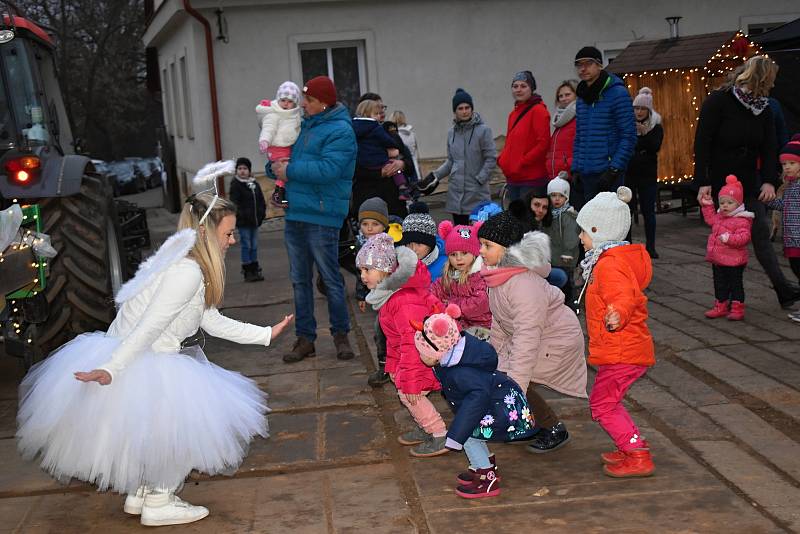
<point x="211" y="172"/>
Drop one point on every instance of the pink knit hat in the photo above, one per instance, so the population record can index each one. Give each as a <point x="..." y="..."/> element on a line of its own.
<point x="791" y="151"/>
<point x="378" y="253"/>
<point x="732" y="189"/>
<point x="439" y="333"/>
<point x="460" y="238"/>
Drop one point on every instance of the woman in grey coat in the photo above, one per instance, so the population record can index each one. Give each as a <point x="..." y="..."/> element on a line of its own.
<point x="471" y="157"/>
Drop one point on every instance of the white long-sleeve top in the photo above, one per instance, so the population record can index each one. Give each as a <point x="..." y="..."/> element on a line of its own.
<point x="279" y="127"/>
<point x="168" y="310"/>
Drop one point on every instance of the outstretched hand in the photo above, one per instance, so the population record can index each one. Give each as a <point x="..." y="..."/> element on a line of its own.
<point x="98" y="375"/>
<point x="704" y="191"/>
<point x="706" y="200"/>
<point x="278" y="328"/>
<point x="612" y="318"/>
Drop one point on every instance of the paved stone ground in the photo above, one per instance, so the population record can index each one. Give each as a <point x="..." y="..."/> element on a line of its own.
<point x="721" y="409"/>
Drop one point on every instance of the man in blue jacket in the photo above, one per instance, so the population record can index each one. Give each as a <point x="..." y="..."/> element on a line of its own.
<point x="605" y="136"/>
<point x="318" y="179"/>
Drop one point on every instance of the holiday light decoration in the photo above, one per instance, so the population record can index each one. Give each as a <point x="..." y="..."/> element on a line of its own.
<point x="698" y="82"/>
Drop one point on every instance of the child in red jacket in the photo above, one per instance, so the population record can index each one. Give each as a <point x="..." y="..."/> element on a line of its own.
<point x="727" y="248"/>
<point x="399" y="286"/>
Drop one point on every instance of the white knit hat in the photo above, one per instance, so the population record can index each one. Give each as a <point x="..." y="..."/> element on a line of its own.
<point x="607" y="217"/>
<point x="558" y="185"/>
<point x="644" y="99"/>
<point x="289" y="91"/>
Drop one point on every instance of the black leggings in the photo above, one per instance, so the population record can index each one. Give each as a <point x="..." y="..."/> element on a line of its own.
<point x="459" y="219"/>
<point x="794" y="263"/>
<point x="728" y="283"/>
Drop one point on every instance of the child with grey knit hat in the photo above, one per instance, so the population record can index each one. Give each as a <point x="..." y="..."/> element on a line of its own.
<point x="420" y="235"/>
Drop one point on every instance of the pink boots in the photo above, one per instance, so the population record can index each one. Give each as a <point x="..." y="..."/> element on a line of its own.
<point x="737" y="311"/>
<point x="720" y="309"/>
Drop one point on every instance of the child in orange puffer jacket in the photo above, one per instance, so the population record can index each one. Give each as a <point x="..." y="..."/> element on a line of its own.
<point x="620" y="344"/>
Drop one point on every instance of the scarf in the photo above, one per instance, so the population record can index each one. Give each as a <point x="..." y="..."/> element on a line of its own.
<point x="431" y="257"/>
<point x="246" y="181"/>
<point x="739" y="209"/>
<point x="591" y="93"/>
<point x="500" y="275"/>
<point x="756" y="104"/>
<point x="650" y="122"/>
<point x="593" y="255"/>
<point x="377" y="297"/>
<point x="563" y="115"/>
<point x="558" y="211"/>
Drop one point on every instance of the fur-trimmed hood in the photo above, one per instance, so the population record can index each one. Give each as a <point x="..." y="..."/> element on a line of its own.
<point x="532" y="252"/>
<point x="408" y="266"/>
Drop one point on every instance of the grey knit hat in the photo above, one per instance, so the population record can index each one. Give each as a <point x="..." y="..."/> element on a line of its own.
<point x="374" y="208"/>
<point x="503" y="229"/>
<point x="419" y="226"/>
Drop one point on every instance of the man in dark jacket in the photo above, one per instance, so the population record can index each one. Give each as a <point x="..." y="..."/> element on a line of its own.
<point x="605" y="135"/>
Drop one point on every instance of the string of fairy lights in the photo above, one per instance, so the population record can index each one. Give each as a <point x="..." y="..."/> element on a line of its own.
<point x="727" y="57"/>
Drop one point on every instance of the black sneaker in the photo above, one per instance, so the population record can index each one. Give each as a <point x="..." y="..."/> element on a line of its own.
<point x="789" y="296"/>
<point x="378" y="378"/>
<point x="549" y="439"/>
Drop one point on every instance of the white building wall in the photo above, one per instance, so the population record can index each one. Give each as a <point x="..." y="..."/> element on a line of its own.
<point x="418" y="53"/>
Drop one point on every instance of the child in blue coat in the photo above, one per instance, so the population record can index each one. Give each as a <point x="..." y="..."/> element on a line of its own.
<point x="488" y="405"/>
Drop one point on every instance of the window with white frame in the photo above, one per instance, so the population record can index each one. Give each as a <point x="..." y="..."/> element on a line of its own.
<point x="341" y="61"/>
<point x="187" y="104"/>
<point x="176" y="100"/>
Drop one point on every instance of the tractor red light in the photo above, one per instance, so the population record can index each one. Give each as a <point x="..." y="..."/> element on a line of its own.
<point x="23" y="169"/>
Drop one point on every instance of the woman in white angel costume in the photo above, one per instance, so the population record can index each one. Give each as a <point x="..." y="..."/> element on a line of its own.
<point x="154" y="411"/>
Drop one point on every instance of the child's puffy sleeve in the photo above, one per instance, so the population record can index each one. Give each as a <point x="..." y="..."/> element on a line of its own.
<point x="177" y="287"/>
<point x="709" y="214"/>
<point x="223" y="327"/>
<point x="269" y="125"/>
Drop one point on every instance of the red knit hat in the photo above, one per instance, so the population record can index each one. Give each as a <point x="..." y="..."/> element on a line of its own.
<point x="460" y="238"/>
<point x="791" y="151"/>
<point x="732" y="189"/>
<point x="322" y="89"/>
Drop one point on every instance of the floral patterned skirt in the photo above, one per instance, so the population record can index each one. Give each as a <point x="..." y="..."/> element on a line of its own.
<point x="510" y="420"/>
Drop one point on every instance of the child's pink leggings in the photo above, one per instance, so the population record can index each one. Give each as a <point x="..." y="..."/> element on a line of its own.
<point x="426" y="415"/>
<point x="605" y="401"/>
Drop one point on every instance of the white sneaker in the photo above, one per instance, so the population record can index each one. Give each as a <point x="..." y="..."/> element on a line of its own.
<point x="135" y="501"/>
<point x="162" y="509"/>
<point x="795" y="316"/>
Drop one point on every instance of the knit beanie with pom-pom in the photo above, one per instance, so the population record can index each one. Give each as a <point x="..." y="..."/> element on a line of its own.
<point x="419" y="226"/>
<point x="607" y="216"/>
<point x="461" y="97"/>
<point x="644" y="99"/>
<point x="791" y="150"/>
<point x="460" y="238"/>
<point x="439" y="333"/>
<point x="732" y="189"/>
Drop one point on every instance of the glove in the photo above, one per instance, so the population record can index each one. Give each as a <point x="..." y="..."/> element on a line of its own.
<point x="428" y="184"/>
<point x="608" y="179"/>
<point x="724" y="237"/>
<point x="263" y="147"/>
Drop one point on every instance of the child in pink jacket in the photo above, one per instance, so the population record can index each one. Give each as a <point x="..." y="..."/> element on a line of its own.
<point x="727" y="248"/>
<point x="461" y="282"/>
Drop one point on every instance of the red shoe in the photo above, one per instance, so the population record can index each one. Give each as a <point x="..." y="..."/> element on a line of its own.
<point x="637" y="463"/>
<point x="485" y="484"/>
<point x="737" y="311"/>
<point x="720" y="309"/>
<point x="468" y="476"/>
<point x="613" y="458"/>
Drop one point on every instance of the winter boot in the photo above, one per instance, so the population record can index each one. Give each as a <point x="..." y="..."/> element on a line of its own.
<point x="737" y="311"/>
<point x="549" y="439"/>
<point x="160" y="509"/>
<point x="246" y="272"/>
<point x="720" y="309"/>
<point x="486" y="483"/>
<point x="637" y="463"/>
<point x="378" y="378"/>
<point x="465" y="477"/>
<point x="612" y="458"/>
<point x="302" y="349"/>
<point x="432" y="446"/>
<point x="413" y="437"/>
<point x="278" y="198"/>
<point x="258" y="276"/>
<point x="651" y="250"/>
<point x="343" y="350"/>
<point x="135" y="501"/>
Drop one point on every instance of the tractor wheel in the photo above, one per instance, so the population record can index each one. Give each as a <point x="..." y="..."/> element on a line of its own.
<point x="90" y="266"/>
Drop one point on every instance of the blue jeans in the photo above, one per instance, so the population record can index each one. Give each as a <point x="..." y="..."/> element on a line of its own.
<point x="477" y="453"/>
<point x="516" y="192"/>
<point x="557" y="277"/>
<point x="248" y="239"/>
<point x="308" y="244"/>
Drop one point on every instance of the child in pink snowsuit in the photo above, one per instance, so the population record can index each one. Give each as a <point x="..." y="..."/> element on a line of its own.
<point x="727" y="248"/>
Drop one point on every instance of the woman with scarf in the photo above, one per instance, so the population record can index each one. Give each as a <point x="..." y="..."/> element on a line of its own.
<point x="642" y="175"/>
<point x="736" y="135"/>
<point x="559" y="155"/>
<point x="471" y="157"/>
<point x="524" y="156"/>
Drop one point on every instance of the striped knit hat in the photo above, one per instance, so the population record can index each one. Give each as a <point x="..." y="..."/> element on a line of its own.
<point x="791" y="151"/>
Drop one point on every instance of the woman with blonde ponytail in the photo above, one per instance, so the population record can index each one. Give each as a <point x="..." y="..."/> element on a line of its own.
<point x="152" y="410"/>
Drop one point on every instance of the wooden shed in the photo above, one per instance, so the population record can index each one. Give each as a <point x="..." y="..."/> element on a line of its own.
<point x="681" y="72"/>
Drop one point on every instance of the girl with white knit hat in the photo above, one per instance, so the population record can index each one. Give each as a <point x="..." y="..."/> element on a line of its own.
<point x="620" y="344"/>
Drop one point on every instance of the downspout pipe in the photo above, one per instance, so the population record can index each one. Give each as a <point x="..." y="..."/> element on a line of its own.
<point x="212" y="83"/>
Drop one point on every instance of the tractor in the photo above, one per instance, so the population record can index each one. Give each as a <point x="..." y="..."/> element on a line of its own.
<point x="99" y="239"/>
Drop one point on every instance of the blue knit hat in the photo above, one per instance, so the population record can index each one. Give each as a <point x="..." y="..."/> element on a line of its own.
<point x="461" y="97"/>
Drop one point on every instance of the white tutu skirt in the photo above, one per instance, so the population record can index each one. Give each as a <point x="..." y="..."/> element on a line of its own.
<point x="164" y="415"/>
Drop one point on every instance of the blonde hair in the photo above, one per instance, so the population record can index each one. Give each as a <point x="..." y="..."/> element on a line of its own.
<point x="449" y="272"/>
<point x="572" y="84"/>
<point x="758" y="75"/>
<point x="399" y="118"/>
<point x="206" y="251"/>
<point x="368" y="108"/>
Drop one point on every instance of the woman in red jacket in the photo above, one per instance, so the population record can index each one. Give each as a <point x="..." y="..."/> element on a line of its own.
<point x="523" y="159"/>
<point x="559" y="156"/>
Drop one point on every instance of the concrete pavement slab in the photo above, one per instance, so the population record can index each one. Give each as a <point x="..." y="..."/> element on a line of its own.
<point x="683" y="385"/>
<point x="773" y="366"/>
<point x="785" y="349"/>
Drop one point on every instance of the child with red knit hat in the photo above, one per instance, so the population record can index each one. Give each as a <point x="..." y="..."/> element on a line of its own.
<point x="461" y="282"/>
<point x="727" y="248"/>
<point x="789" y="204"/>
